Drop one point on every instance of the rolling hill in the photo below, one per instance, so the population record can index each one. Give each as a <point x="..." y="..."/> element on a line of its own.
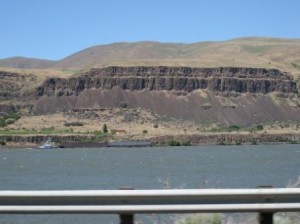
<point x="282" y="54"/>
<point x="26" y="63"/>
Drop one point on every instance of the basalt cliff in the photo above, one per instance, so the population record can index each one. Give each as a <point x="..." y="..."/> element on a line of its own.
<point x="227" y="95"/>
<point x="181" y="79"/>
<point x="224" y="95"/>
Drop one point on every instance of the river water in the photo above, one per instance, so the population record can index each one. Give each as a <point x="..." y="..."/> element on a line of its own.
<point x="246" y="166"/>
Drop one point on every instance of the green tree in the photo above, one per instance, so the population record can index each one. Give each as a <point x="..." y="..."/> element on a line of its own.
<point x="259" y="127"/>
<point x="104" y="129"/>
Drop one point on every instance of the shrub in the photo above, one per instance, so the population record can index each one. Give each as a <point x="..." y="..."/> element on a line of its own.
<point x="254" y="142"/>
<point x="9" y="121"/>
<point x="105" y="130"/>
<point x="2" y="123"/>
<point x="202" y="219"/>
<point x="123" y="105"/>
<point x="280" y="139"/>
<point x="233" y="128"/>
<point x="186" y="143"/>
<point x="173" y="143"/>
<point x="259" y="127"/>
<point x="48" y="130"/>
<point x="97" y="132"/>
<point x="238" y="143"/>
<point x="2" y="142"/>
<point x="145" y="131"/>
<point x="155" y="126"/>
<point x="206" y="106"/>
<point x="15" y="116"/>
<point x="68" y="124"/>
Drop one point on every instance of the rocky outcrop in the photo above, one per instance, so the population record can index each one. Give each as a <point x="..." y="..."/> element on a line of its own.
<point x="240" y="80"/>
<point x="14" y="85"/>
<point x="15" y="107"/>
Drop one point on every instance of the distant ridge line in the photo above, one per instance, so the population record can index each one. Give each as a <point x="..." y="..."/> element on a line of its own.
<point x="256" y="52"/>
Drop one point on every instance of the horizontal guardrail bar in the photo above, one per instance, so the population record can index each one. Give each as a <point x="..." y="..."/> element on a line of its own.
<point x="128" y="202"/>
<point x="158" y="192"/>
<point x="130" y="209"/>
<point x="151" y="197"/>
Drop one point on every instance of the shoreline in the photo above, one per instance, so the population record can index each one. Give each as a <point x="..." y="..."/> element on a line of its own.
<point x="83" y="141"/>
<point x="21" y="146"/>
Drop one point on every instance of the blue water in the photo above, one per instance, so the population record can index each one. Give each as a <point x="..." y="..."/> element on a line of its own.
<point x="143" y="168"/>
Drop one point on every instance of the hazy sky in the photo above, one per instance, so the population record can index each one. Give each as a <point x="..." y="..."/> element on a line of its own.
<point x="53" y="29"/>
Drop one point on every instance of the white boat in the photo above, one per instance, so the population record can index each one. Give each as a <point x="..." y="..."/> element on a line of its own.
<point x="48" y="145"/>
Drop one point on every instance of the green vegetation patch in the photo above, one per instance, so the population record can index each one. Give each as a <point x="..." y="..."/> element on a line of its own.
<point x="295" y="65"/>
<point x="177" y="143"/>
<point x="202" y="219"/>
<point x="258" y="127"/>
<point x="256" y="49"/>
<point x="44" y="131"/>
<point x="7" y="119"/>
<point x="230" y="128"/>
<point x="68" y="124"/>
<point x="104" y="128"/>
<point x="69" y="71"/>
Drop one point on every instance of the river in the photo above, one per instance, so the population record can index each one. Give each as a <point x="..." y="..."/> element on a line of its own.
<point x="245" y="166"/>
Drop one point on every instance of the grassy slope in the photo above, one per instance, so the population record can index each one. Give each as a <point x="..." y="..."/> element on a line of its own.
<point x="22" y="62"/>
<point x="282" y="54"/>
<point x="144" y="124"/>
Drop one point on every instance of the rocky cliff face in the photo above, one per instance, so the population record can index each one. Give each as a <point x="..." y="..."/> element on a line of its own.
<point x="14" y="85"/>
<point x="198" y="94"/>
<point x="13" y="88"/>
<point x="240" y="80"/>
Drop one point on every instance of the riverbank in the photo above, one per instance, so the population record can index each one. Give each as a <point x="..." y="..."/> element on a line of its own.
<point x="228" y="139"/>
<point x="17" y="141"/>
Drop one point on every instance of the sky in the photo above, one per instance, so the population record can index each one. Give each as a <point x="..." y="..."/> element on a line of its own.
<point x="55" y="29"/>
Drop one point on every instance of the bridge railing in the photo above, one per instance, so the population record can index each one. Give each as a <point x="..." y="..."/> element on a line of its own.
<point x="126" y="203"/>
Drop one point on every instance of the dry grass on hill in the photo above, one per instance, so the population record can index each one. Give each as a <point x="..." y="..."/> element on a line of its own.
<point x="145" y="124"/>
<point x="282" y="54"/>
<point x="137" y="124"/>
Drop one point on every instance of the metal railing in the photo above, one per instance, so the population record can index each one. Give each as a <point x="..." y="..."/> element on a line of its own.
<point x="126" y="203"/>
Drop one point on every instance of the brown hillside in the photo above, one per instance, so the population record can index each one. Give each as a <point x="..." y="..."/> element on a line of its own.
<point x="282" y="54"/>
<point x="30" y="63"/>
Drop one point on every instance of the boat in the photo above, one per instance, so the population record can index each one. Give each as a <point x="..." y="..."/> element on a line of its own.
<point x="48" y="145"/>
